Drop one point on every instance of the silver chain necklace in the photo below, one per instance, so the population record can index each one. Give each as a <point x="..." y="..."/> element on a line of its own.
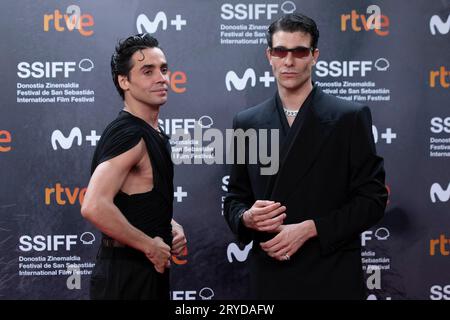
<point x="290" y="113"/>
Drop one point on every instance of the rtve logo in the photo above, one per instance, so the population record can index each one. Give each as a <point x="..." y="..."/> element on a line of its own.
<point x="349" y="68"/>
<point x="52" y="69"/>
<point x="240" y="255"/>
<point x="442" y="74"/>
<point x="177" y="81"/>
<point x="144" y="24"/>
<point x="376" y="21"/>
<point x="254" y="11"/>
<point x="54" y="242"/>
<point x="439" y="125"/>
<point x="61" y="195"/>
<point x="441" y="243"/>
<point x="58" y="138"/>
<point x="388" y="136"/>
<point x="5" y="140"/>
<point x="240" y="83"/>
<point x="72" y="19"/>
<point x="437" y="192"/>
<point x="436" y="23"/>
<point x="182" y="258"/>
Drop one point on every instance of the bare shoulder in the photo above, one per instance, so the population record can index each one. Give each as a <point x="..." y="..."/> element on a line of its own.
<point x="129" y="158"/>
<point x="109" y="175"/>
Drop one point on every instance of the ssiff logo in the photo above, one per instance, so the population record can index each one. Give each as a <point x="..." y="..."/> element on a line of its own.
<point x="254" y="11"/>
<point x="171" y="126"/>
<point x="144" y="24"/>
<point x="352" y="68"/>
<point x="440" y="125"/>
<point x="440" y="292"/>
<point x="71" y="20"/>
<point x="52" y="69"/>
<point x="5" y="141"/>
<point x="380" y="234"/>
<point x="205" y="293"/>
<point x="58" y="242"/>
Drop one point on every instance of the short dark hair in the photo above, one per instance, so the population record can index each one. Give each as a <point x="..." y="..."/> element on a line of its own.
<point x="294" y="22"/>
<point x="121" y="62"/>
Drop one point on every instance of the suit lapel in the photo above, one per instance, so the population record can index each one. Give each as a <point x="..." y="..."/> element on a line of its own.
<point x="302" y="147"/>
<point x="269" y="118"/>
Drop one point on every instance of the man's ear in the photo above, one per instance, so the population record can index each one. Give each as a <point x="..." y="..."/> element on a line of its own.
<point x="315" y="56"/>
<point x="123" y="82"/>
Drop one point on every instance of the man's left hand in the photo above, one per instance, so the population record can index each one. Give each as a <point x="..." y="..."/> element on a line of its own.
<point x="290" y="238"/>
<point x="179" y="239"/>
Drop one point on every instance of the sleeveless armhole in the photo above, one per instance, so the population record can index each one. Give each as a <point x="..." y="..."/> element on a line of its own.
<point x="119" y="137"/>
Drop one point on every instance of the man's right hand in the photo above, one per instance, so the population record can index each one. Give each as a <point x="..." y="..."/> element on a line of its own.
<point x="158" y="253"/>
<point x="265" y="216"/>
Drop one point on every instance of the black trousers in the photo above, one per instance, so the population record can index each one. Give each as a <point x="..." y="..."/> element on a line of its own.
<point x="126" y="274"/>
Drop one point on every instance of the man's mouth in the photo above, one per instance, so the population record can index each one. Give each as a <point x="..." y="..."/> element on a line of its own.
<point x="160" y="90"/>
<point x="289" y="74"/>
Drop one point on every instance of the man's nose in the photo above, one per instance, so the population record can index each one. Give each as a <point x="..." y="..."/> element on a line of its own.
<point x="162" y="77"/>
<point x="289" y="59"/>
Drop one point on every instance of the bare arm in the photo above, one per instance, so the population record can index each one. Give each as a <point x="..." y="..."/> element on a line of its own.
<point x="98" y="207"/>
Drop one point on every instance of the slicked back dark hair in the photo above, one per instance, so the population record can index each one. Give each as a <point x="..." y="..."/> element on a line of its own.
<point x="294" y="22"/>
<point x="121" y="62"/>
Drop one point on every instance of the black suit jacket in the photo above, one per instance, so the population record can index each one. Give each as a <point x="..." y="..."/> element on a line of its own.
<point x="330" y="173"/>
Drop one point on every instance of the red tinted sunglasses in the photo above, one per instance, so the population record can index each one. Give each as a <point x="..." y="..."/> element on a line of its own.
<point x="297" y="52"/>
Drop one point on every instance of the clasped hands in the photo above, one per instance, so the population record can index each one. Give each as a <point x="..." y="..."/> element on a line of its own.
<point x="268" y="216"/>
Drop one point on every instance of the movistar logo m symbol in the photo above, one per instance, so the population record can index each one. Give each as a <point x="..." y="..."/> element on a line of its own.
<point x="231" y="78"/>
<point x="239" y="255"/>
<point x="66" y="142"/>
<point x="436" y="23"/>
<point x="143" y="24"/>
<point x="436" y="191"/>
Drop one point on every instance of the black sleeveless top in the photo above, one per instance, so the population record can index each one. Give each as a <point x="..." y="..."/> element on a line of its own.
<point x="150" y="212"/>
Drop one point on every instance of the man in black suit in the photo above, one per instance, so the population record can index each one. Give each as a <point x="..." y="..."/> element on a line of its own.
<point x="306" y="219"/>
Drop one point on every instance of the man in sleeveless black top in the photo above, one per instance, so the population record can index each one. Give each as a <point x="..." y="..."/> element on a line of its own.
<point x="130" y="195"/>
